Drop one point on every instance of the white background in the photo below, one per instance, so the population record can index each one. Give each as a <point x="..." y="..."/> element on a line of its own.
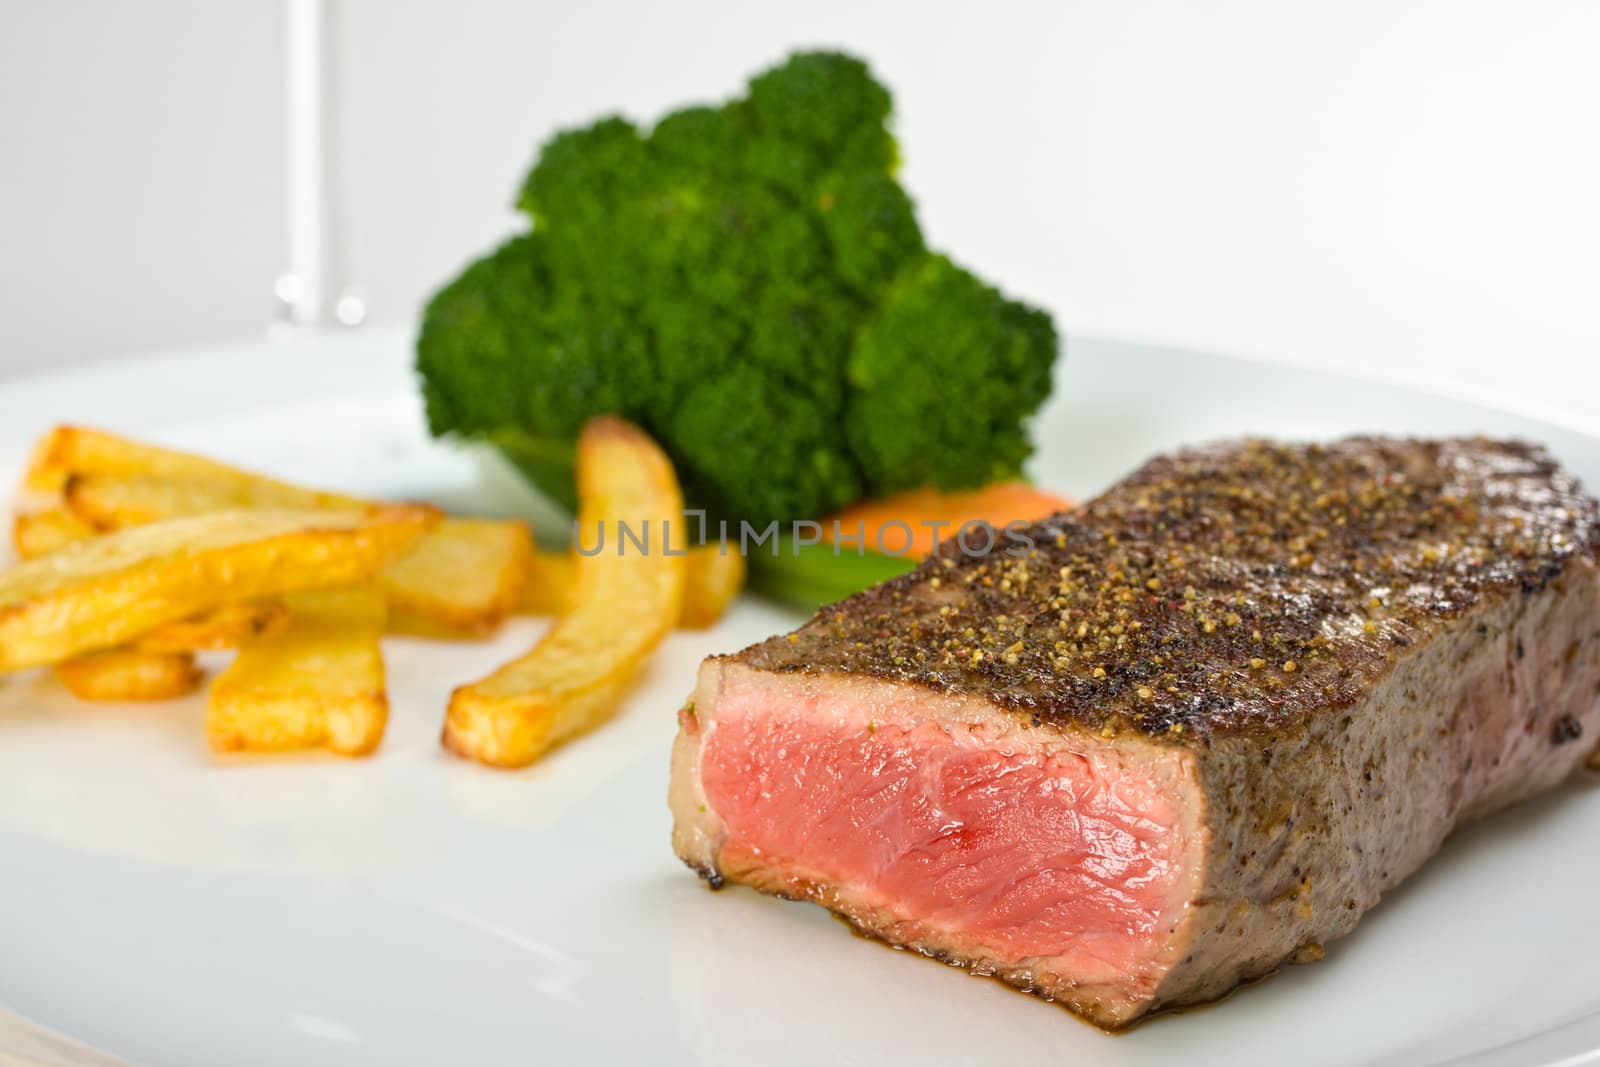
<point x="1409" y="190"/>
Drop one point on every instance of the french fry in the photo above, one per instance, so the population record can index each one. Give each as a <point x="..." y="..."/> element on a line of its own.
<point x="317" y="682"/>
<point x="462" y="580"/>
<point x="124" y="675"/>
<point x="711" y="580"/>
<point x="548" y="584"/>
<point x="76" y="450"/>
<point x="622" y="606"/>
<point x="227" y="627"/>
<point x="103" y="593"/>
<point x="114" y="502"/>
<point x="41" y="532"/>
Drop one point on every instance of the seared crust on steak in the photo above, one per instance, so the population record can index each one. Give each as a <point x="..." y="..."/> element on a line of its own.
<point x="1236" y="586"/>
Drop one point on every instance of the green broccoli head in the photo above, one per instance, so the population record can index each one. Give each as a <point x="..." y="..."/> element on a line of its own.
<point x="746" y="282"/>
<point x="943" y="379"/>
<point x="818" y="112"/>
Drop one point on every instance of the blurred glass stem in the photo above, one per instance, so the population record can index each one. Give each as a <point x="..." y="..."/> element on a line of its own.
<point x="309" y="290"/>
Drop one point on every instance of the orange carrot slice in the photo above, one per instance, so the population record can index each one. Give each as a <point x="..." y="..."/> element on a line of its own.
<point x="893" y="524"/>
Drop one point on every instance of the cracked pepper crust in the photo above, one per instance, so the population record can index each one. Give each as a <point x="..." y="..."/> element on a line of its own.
<point x="1236" y="587"/>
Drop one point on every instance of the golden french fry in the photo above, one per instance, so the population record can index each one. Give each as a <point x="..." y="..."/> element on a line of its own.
<point x="74" y="450"/>
<point x="120" y="674"/>
<point x="317" y="682"/>
<point x="67" y="449"/>
<point x="622" y="606"/>
<point x="549" y="581"/>
<point x="109" y="590"/>
<point x="112" y="502"/>
<point x="42" y="532"/>
<point x="712" y="579"/>
<point x="461" y="580"/>
<point x="229" y="626"/>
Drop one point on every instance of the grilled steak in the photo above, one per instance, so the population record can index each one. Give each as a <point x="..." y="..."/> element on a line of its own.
<point x="1179" y="737"/>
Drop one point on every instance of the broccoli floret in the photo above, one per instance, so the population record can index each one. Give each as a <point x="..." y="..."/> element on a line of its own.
<point x="748" y="283"/>
<point x="941" y="332"/>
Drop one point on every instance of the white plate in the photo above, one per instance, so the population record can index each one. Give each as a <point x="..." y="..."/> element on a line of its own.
<point x="416" y="909"/>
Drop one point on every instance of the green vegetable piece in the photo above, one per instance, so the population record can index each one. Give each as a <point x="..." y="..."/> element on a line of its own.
<point x="943" y="333"/>
<point x="748" y="283"/>
<point x="811" y="576"/>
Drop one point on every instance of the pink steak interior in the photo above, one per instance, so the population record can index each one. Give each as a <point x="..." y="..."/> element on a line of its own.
<point x="998" y="846"/>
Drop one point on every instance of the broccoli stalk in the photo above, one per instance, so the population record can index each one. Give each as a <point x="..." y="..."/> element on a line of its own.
<point x="748" y="283"/>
